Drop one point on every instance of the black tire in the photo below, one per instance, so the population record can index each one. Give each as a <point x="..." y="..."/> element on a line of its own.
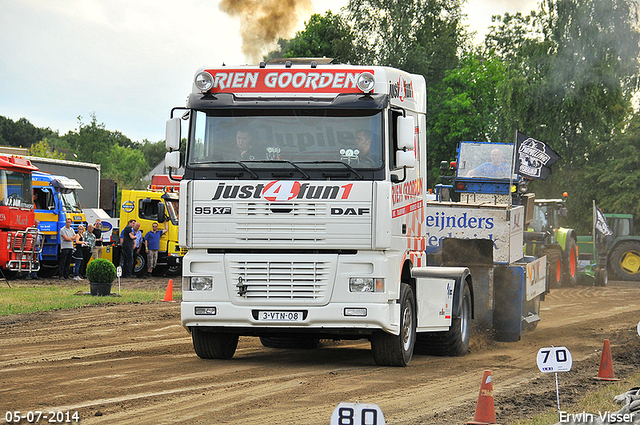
<point x="397" y="350"/>
<point x="47" y="270"/>
<point x="9" y="274"/>
<point x="554" y="267"/>
<point x="570" y="264"/>
<point x="602" y="277"/>
<point x="140" y="263"/>
<point x="213" y="345"/>
<point x="455" y="341"/>
<point x="289" y="342"/>
<point x="175" y="270"/>
<point x="625" y="261"/>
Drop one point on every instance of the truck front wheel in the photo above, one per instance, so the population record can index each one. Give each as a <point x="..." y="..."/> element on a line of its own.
<point x="140" y="264"/>
<point x="213" y="345"/>
<point x="397" y="350"/>
<point x="455" y="341"/>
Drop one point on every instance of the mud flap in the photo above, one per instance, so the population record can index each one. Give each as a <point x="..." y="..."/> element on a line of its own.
<point x="509" y="296"/>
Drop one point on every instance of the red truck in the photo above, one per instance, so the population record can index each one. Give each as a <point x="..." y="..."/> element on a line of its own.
<point x="20" y="253"/>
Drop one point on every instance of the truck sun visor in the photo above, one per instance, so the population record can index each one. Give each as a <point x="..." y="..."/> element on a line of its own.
<point x="65" y="183"/>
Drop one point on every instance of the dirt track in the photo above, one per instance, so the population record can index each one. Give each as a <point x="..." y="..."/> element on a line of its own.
<point x="134" y="364"/>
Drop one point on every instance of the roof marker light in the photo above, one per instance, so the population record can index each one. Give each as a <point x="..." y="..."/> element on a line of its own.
<point x="366" y="82"/>
<point x="204" y="81"/>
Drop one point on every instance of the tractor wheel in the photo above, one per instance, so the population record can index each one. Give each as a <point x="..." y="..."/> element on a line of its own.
<point x="570" y="264"/>
<point x="602" y="277"/>
<point x="554" y="267"/>
<point x="625" y="261"/>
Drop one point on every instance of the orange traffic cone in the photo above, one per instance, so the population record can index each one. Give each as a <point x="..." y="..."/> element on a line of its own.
<point x="168" y="296"/>
<point x="606" y="365"/>
<point x="485" y="410"/>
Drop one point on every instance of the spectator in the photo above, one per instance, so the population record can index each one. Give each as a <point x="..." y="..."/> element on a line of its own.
<point x="153" y="246"/>
<point x="78" y="253"/>
<point x="127" y="242"/>
<point x="67" y="237"/>
<point x="90" y="240"/>
<point x="96" y="252"/>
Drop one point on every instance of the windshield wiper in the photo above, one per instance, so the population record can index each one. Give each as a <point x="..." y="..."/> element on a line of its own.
<point x="353" y="170"/>
<point x="285" y="161"/>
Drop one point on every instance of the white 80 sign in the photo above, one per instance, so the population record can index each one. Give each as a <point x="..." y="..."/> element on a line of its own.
<point x="357" y="414"/>
<point x="554" y="359"/>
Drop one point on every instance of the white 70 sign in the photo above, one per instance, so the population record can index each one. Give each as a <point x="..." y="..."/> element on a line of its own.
<point x="554" y="359"/>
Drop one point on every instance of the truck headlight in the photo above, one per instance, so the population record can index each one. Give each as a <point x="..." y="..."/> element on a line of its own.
<point x="366" y="82"/>
<point x="366" y="284"/>
<point x="204" y="81"/>
<point x="201" y="283"/>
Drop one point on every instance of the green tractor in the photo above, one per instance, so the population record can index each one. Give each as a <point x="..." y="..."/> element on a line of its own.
<point x="545" y="236"/>
<point x="616" y="255"/>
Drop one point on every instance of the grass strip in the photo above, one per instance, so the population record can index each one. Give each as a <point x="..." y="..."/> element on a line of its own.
<point x="595" y="402"/>
<point x="25" y="298"/>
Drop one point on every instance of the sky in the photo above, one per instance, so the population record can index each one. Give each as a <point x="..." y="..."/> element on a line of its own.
<point x="129" y="62"/>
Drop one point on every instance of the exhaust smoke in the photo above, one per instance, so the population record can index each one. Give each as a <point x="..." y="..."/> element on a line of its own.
<point x="263" y="22"/>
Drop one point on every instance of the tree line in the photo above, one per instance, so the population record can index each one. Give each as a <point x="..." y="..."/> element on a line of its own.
<point x="121" y="159"/>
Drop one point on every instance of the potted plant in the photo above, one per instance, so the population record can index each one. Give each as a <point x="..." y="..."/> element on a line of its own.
<point x="101" y="274"/>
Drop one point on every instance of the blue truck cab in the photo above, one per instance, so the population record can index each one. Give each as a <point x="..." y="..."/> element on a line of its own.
<point x="55" y="200"/>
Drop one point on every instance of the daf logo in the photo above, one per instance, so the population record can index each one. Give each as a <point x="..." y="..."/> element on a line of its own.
<point x="349" y="211"/>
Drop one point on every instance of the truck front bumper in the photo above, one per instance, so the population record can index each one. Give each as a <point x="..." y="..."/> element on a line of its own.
<point x="335" y="319"/>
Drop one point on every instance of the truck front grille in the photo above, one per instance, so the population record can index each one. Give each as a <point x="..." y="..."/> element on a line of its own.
<point x="282" y="281"/>
<point x="266" y="209"/>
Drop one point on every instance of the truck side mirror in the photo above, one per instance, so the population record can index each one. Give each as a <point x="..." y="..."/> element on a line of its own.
<point x="406" y="159"/>
<point x="173" y="137"/>
<point x="161" y="212"/>
<point x="172" y="160"/>
<point x="406" y="132"/>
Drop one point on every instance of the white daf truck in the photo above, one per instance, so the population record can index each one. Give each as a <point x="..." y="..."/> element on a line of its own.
<point x="303" y="210"/>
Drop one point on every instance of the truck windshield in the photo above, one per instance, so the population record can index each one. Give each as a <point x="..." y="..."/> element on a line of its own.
<point x="283" y="137"/>
<point x="485" y="160"/>
<point x="70" y="202"/>
<point x="15" y="189"/>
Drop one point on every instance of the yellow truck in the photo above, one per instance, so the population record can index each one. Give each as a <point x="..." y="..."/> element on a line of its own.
<point x="155" y="206"/>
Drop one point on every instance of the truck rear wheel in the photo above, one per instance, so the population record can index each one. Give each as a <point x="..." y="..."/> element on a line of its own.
<point x="625" y="261"/>
<point x="570" y="264"/>
<point x="397" y="350"/>
<point x="213" y="345"/>
<point x="455" y="341"/>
